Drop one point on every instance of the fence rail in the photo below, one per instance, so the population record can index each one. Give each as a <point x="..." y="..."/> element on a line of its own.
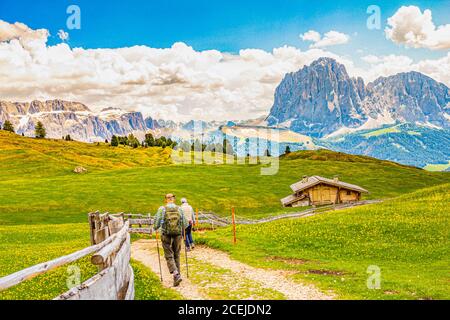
<point x="111" y="253"/>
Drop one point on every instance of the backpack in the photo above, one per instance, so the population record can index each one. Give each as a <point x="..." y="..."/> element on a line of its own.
<point x="172" y="221"/>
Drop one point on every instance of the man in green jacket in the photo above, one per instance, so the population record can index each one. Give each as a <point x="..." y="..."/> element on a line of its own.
<point x="172" y="222"/>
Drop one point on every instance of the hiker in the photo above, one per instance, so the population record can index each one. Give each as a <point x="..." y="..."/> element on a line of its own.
<point x="171" y="220"/>
<point x="190" y="215"/>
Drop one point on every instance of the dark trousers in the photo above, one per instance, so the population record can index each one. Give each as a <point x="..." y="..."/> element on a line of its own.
<point x="189" y="240"/>
<point x="172" y="249"/>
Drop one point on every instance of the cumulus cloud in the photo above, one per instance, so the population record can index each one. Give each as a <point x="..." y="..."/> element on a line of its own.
<point x="392" y="64"/>
<point x="331" y="38"/>
<point x="63" y="35"/>
<point x="21" y="32"/>
<point x="412" y="28"/>
<point x="176" y="83"/>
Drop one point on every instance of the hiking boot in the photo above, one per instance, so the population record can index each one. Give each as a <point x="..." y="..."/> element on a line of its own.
<point x="177" y="280"/>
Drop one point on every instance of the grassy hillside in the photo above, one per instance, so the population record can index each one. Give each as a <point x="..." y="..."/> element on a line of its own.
<point x="407" y="238"/>
<point x="38" y="185"/>
<point x="44" y="205"/>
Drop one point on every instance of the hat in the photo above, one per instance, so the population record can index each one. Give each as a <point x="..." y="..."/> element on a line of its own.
<point x="170" y="195"/>
<point x="183" y="200"/>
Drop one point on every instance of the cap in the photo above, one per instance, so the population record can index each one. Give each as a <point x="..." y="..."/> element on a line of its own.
<point x="170" y="195"/>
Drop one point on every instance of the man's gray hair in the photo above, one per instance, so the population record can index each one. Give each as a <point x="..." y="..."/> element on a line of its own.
<point x="184" y="200"/>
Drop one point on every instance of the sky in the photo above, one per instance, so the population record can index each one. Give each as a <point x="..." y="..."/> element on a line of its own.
<point x="213" y="60"/>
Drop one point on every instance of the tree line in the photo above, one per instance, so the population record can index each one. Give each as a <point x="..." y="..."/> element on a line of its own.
<point x="149" y="141"/>
<point x="39" y="129"/>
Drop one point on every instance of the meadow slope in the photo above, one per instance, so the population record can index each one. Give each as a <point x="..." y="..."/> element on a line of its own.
<point x="407" y="238"/>
<point x="44" y="205"/>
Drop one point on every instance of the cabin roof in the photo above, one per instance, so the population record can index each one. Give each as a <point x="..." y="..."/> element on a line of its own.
<point x="290" y="199"/>
<point x="309" y="182"/>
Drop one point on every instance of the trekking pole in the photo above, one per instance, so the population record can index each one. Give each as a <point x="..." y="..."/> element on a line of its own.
<point x="159" y="257"/>
<point x="185" y="253"/>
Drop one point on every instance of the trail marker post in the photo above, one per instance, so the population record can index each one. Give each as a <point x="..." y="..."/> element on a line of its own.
<point x="196" y="217"/>
<point x="233" y="218"/>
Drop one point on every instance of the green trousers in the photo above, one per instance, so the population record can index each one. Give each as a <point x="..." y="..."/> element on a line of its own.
<point x="172" y="249"/>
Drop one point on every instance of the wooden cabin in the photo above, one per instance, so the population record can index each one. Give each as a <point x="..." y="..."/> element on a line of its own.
<point x="318" y="190"/>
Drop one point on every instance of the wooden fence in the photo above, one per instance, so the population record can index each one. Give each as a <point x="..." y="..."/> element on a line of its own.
<point x="111" y="253"/>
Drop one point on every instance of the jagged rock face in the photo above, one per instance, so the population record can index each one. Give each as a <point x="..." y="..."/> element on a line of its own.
<point x="62" y="118"/>
<point x="410" y="97"/>
<point x="318" y="99"/>
<point x="321" y="98"/>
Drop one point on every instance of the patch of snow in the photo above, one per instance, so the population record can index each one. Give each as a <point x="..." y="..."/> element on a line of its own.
<point x="428" y="125"/>
<point x="110" y="113"/>
<point x="371" y="123"/>
<point x="23" y="121"/>
<point x="398" y="146"/>
<point x="285" y="124"/>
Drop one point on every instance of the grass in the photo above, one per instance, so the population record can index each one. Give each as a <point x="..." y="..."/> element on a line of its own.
<point x="380" y="132"/>
<point x="22" y="246"/>
<point x="437" y="167"/>
<point x="38" y="187"/>
<point x="222" y="284"/>
<point x="147" y="285"/>
<point x="407" y="238"/>
<point x="44" y="205"/>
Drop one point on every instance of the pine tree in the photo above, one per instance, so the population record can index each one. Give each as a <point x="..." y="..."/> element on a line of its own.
<point x="7" y="126"/>
<point x="114" y="141"/>
<point x="149" y="140"/>
<point x="40" y="131"/>
<point x="288" y="150"/>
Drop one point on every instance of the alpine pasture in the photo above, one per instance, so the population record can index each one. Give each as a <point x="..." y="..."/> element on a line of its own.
<point x="44" y="206"/>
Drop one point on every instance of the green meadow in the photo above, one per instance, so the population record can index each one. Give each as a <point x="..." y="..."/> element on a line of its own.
<point x="44" y="206"/>
<point x="407" y="238"/>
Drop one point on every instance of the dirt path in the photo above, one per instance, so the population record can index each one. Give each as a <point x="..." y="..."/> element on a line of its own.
<point x="145" y="252"/>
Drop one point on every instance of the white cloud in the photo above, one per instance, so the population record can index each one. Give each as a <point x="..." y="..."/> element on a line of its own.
<point x="412" y="28"/>
<point x="174" y="83"/>
<point x="20" y="31"/>
<point x="311" y="35"/>
<point x="63" y="35"/>
<point x="331" y="38"/>
<point x="393" y="64"/>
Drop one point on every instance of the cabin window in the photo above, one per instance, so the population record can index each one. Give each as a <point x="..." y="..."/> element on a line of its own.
<point x="349" y="193"/>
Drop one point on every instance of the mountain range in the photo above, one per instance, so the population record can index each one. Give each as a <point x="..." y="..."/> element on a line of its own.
<point x="322" y="99"/>
<point x="404" y="117"/>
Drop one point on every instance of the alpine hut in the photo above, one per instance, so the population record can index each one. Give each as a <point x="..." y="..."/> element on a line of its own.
<point x="318" y="190"/>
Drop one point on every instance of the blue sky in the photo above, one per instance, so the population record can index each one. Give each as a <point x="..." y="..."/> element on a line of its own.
<point x="187" y="82"/>
<point x="223" y="25"/>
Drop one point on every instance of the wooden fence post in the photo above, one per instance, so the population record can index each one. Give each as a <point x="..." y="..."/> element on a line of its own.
<point x="196" y="217"/>
<point x="234" y="224"/>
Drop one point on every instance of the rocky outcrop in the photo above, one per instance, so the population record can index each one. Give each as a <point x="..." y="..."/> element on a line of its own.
<point x="409" y="97"/>
<point x="321" y="98"/>
<point x="62" y="118"/>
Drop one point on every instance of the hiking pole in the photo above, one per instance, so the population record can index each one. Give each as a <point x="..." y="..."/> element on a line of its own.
<point x="159" y="257"/>
<point x="185" y="253"/>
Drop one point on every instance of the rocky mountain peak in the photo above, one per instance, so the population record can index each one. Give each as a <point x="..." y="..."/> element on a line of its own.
<point x="321" y="98"/>
<point x="318" y="99"/>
